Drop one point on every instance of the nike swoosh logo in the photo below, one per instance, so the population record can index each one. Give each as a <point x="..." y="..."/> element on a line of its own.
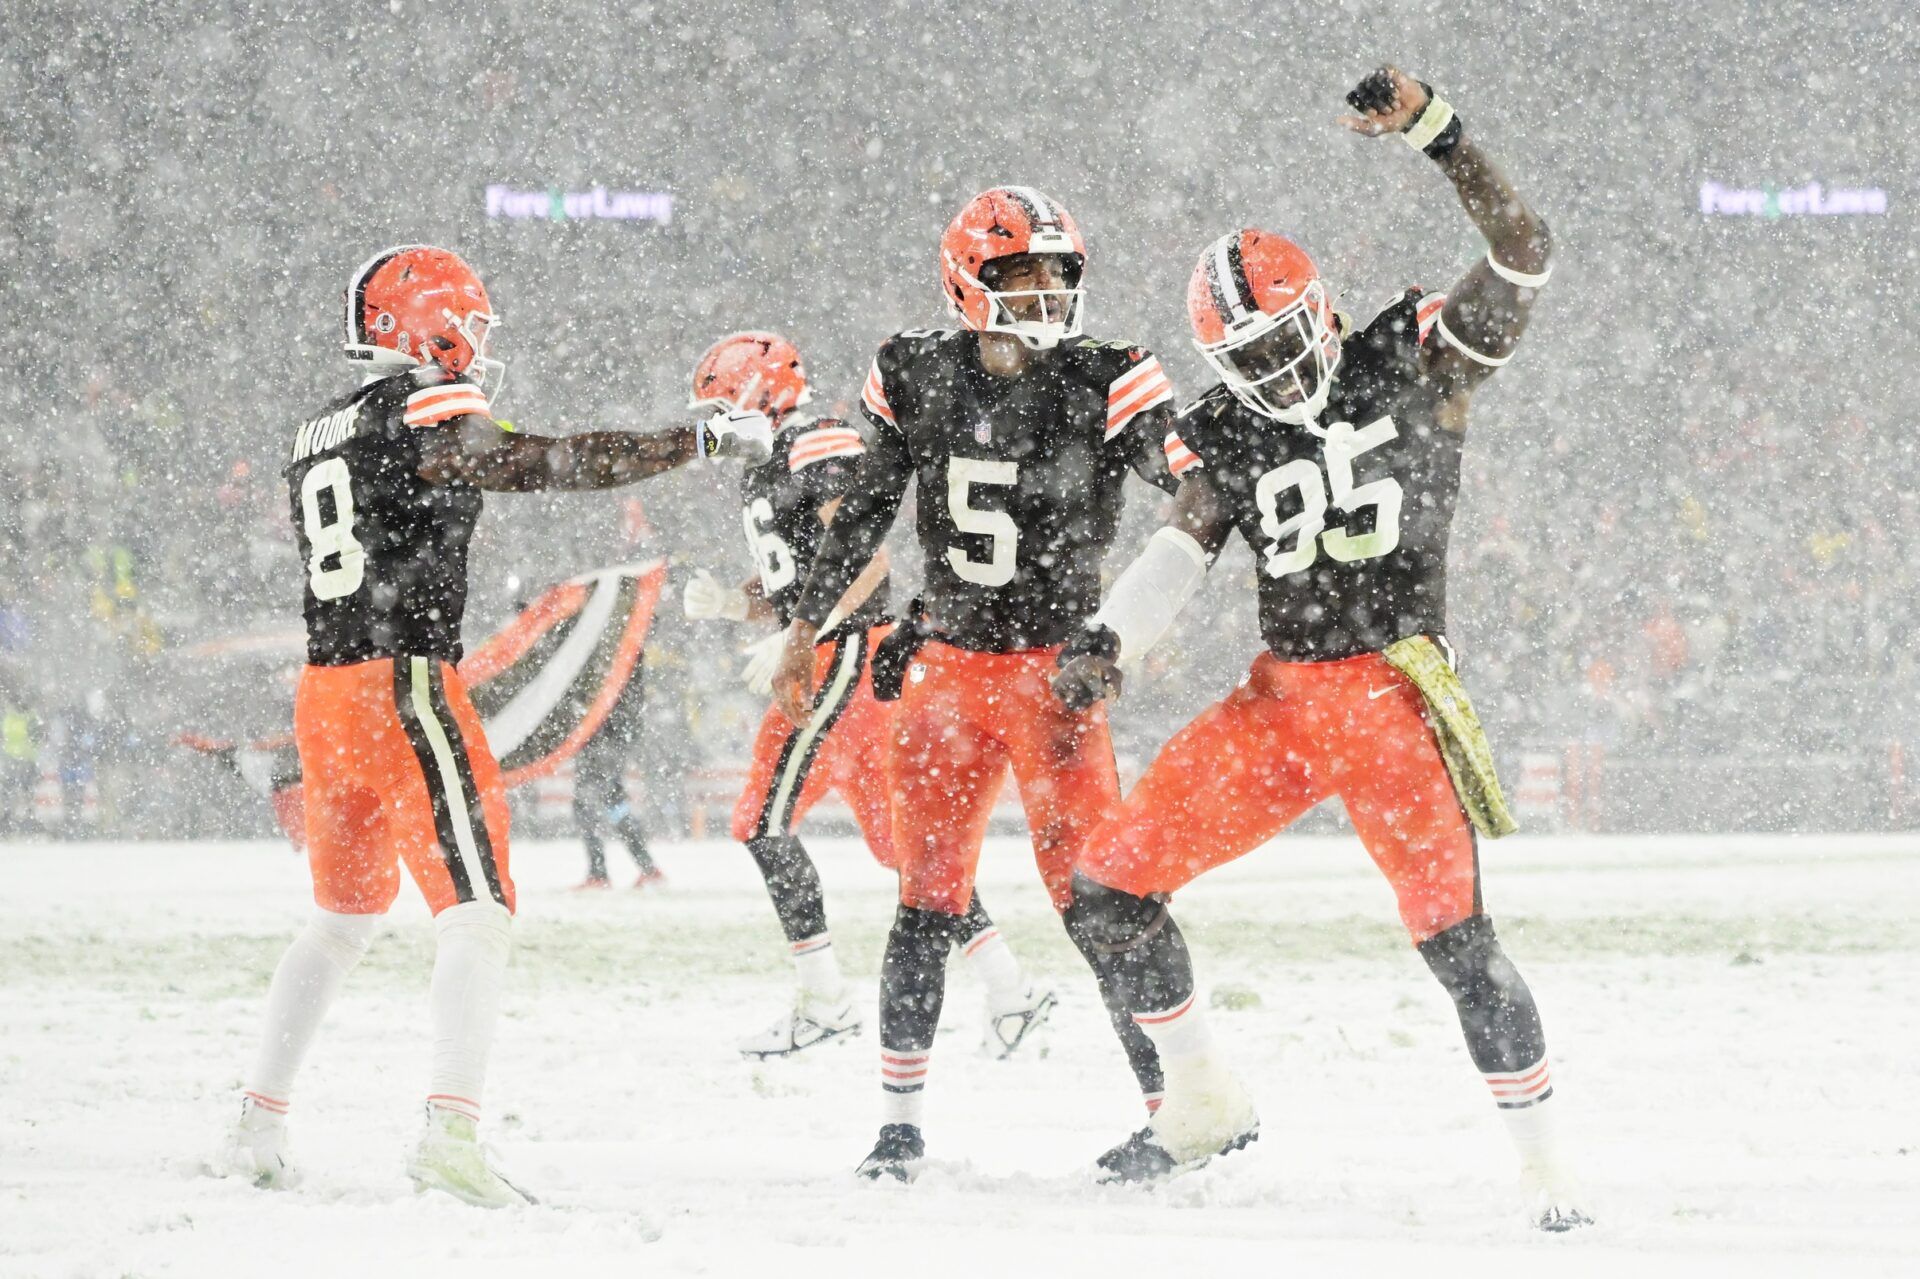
<point x="1373" y="693"/>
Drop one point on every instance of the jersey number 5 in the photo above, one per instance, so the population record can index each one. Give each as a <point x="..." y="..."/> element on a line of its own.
<point x="1308" y="528"/>
<point x="1002" y="534"/>
<point x="331" y="538"/>
<point x="770" y="551"/>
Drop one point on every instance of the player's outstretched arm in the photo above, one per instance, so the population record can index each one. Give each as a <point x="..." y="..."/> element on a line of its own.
<point x="853" y="538"/>
<point x="1146" y="598"/>
<point x="474" y="449"/>
<point x="1487" y="310"/>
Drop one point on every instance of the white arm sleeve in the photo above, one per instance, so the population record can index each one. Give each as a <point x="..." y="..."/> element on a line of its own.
<point x="1152" y="591"/>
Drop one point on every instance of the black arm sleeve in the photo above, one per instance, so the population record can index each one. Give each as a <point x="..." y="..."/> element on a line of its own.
<point x="872" y="502"/>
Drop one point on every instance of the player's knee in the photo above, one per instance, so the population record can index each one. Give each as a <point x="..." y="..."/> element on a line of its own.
<point x="483" y="923"/>
<point x="1107" y="920"/>
<point x="344" y="938"/>
<point x="1467" y="959"/>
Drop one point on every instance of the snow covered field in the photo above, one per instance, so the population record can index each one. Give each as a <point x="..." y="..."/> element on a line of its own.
<point x="1732" y="1023"/>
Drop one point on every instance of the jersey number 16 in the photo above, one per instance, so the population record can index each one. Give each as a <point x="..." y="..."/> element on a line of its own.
<point x="1308" y="528"/>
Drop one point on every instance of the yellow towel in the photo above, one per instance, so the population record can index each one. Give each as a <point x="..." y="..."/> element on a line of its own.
<point x="1463" y="743"/>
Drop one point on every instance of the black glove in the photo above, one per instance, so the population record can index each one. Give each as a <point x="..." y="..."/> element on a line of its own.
<point x="1375" y="93"/>
<point x="896" y="652"/>
<point x="1088" y="668"/>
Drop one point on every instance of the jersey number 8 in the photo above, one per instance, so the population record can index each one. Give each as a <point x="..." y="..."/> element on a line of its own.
<point x="331" y="538"/>
<point x="1308" y="528"/>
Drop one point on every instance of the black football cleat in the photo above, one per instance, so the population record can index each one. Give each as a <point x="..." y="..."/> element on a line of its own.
<point x="1560" y="1218"/>
<point x="897" y="1154"/>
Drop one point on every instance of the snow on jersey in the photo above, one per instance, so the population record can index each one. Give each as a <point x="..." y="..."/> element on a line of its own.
<point x="1018" y="479"/>
<point x="812" y="463"/>
<point x="1348" y="519"/>
<point x="383" y="552"/>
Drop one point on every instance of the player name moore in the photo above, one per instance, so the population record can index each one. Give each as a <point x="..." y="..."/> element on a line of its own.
<point x="324" y="433"/>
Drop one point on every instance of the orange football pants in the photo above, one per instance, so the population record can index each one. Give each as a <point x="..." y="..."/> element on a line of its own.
<point x="397" y="769"/>
<point x="842" y="747"/>
<point x="1294" y="734"/>
<point x="962" y="720"/>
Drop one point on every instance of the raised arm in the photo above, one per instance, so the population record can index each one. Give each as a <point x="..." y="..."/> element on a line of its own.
<point x="1487" y="311"/>
<point x="858" y="528"/>
<point x="475" y="449"/>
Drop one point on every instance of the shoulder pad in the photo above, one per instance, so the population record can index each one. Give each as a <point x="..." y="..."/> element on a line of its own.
<point x="1398" y="323"/>
<point x="434" y="399"/>
<point x="823" y="441"/>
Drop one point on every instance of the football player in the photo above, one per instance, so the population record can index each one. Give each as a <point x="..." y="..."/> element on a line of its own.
<point x="386" y="483"/>
<point x="787" y="504"/>
<point x="1018" y="434"/>
<point x="1336" y="454"/>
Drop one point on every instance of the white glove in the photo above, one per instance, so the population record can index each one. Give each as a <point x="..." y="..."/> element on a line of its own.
<point x="705" y="598"/>
<point x="736" y="433"/>
<point x="763" y="659"/>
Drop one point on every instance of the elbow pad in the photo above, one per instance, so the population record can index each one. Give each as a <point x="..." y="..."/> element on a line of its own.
<point x="1152" y="591"/>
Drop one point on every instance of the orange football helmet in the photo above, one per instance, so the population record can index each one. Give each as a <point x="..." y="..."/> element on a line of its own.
<point x="751" y="371"/>
<point x="1003" y="223"/>
<point x="416" y="304"/>
<point x="1262" y="318"/>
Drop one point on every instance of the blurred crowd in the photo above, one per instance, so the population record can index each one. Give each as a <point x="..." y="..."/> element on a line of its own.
<point x="1686" y="536"/>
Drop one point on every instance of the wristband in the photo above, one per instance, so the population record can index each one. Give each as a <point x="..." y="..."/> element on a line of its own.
<point x="1436" y="130"/>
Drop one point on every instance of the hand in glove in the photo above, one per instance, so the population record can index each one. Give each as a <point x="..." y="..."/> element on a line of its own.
<point x="705" y="598"/>
<point x="744" y="433"/>
<point x="1088" y="669"/>
<point x="763" y="659"/>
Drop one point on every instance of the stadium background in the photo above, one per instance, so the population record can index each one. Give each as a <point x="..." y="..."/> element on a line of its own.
<point x="1684" y="560"/>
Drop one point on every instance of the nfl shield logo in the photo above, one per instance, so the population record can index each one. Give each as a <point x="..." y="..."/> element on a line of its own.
<point x="983" y="431"/>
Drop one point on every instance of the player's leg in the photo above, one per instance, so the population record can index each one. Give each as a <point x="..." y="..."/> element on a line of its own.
<point x="1398" y="792"/>
<point x="1017" y="1006"/>
<point x="588" y="806"/>
<point x="355" y="879"/>
<point x="448" y="816"/>
<point x="945" y="772"/>
<point x="791" y="771"/>
<point x="1225" y="784"/>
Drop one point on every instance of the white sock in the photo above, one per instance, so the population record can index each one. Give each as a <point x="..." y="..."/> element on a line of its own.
<point x="903" y="1084"/>
<point x="1181" y="1033"/>
<point x="818" y="968"/>
<point x="303" y="988"/>
<point x="475" y="939"/>
<point x="994" y="962"/>
<point x="1526" y="1106"/>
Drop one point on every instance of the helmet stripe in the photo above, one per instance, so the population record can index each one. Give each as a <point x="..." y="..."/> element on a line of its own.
<point x="1237" y="272"/>
<point x="357" y="292"/>
<point x="1219" y="271"/>
<point x="1034" y="205"/>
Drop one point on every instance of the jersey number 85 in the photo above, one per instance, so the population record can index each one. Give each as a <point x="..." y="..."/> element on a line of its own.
<point x="1308" y="528"/>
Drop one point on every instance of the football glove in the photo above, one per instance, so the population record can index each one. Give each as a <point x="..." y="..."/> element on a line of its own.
<point x="705" y="598"/>
<point x="1088" y="668"/>
<point x="744" y="433"/>
<point x="763" y="659"/>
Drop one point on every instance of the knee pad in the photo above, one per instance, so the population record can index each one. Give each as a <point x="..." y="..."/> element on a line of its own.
<point x="1106" y="921"/>
<point x="930" y="928"/>
<point x="486" y="923"/>
<point x="344" y="938"/>
<point x="1467" y="958"/>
